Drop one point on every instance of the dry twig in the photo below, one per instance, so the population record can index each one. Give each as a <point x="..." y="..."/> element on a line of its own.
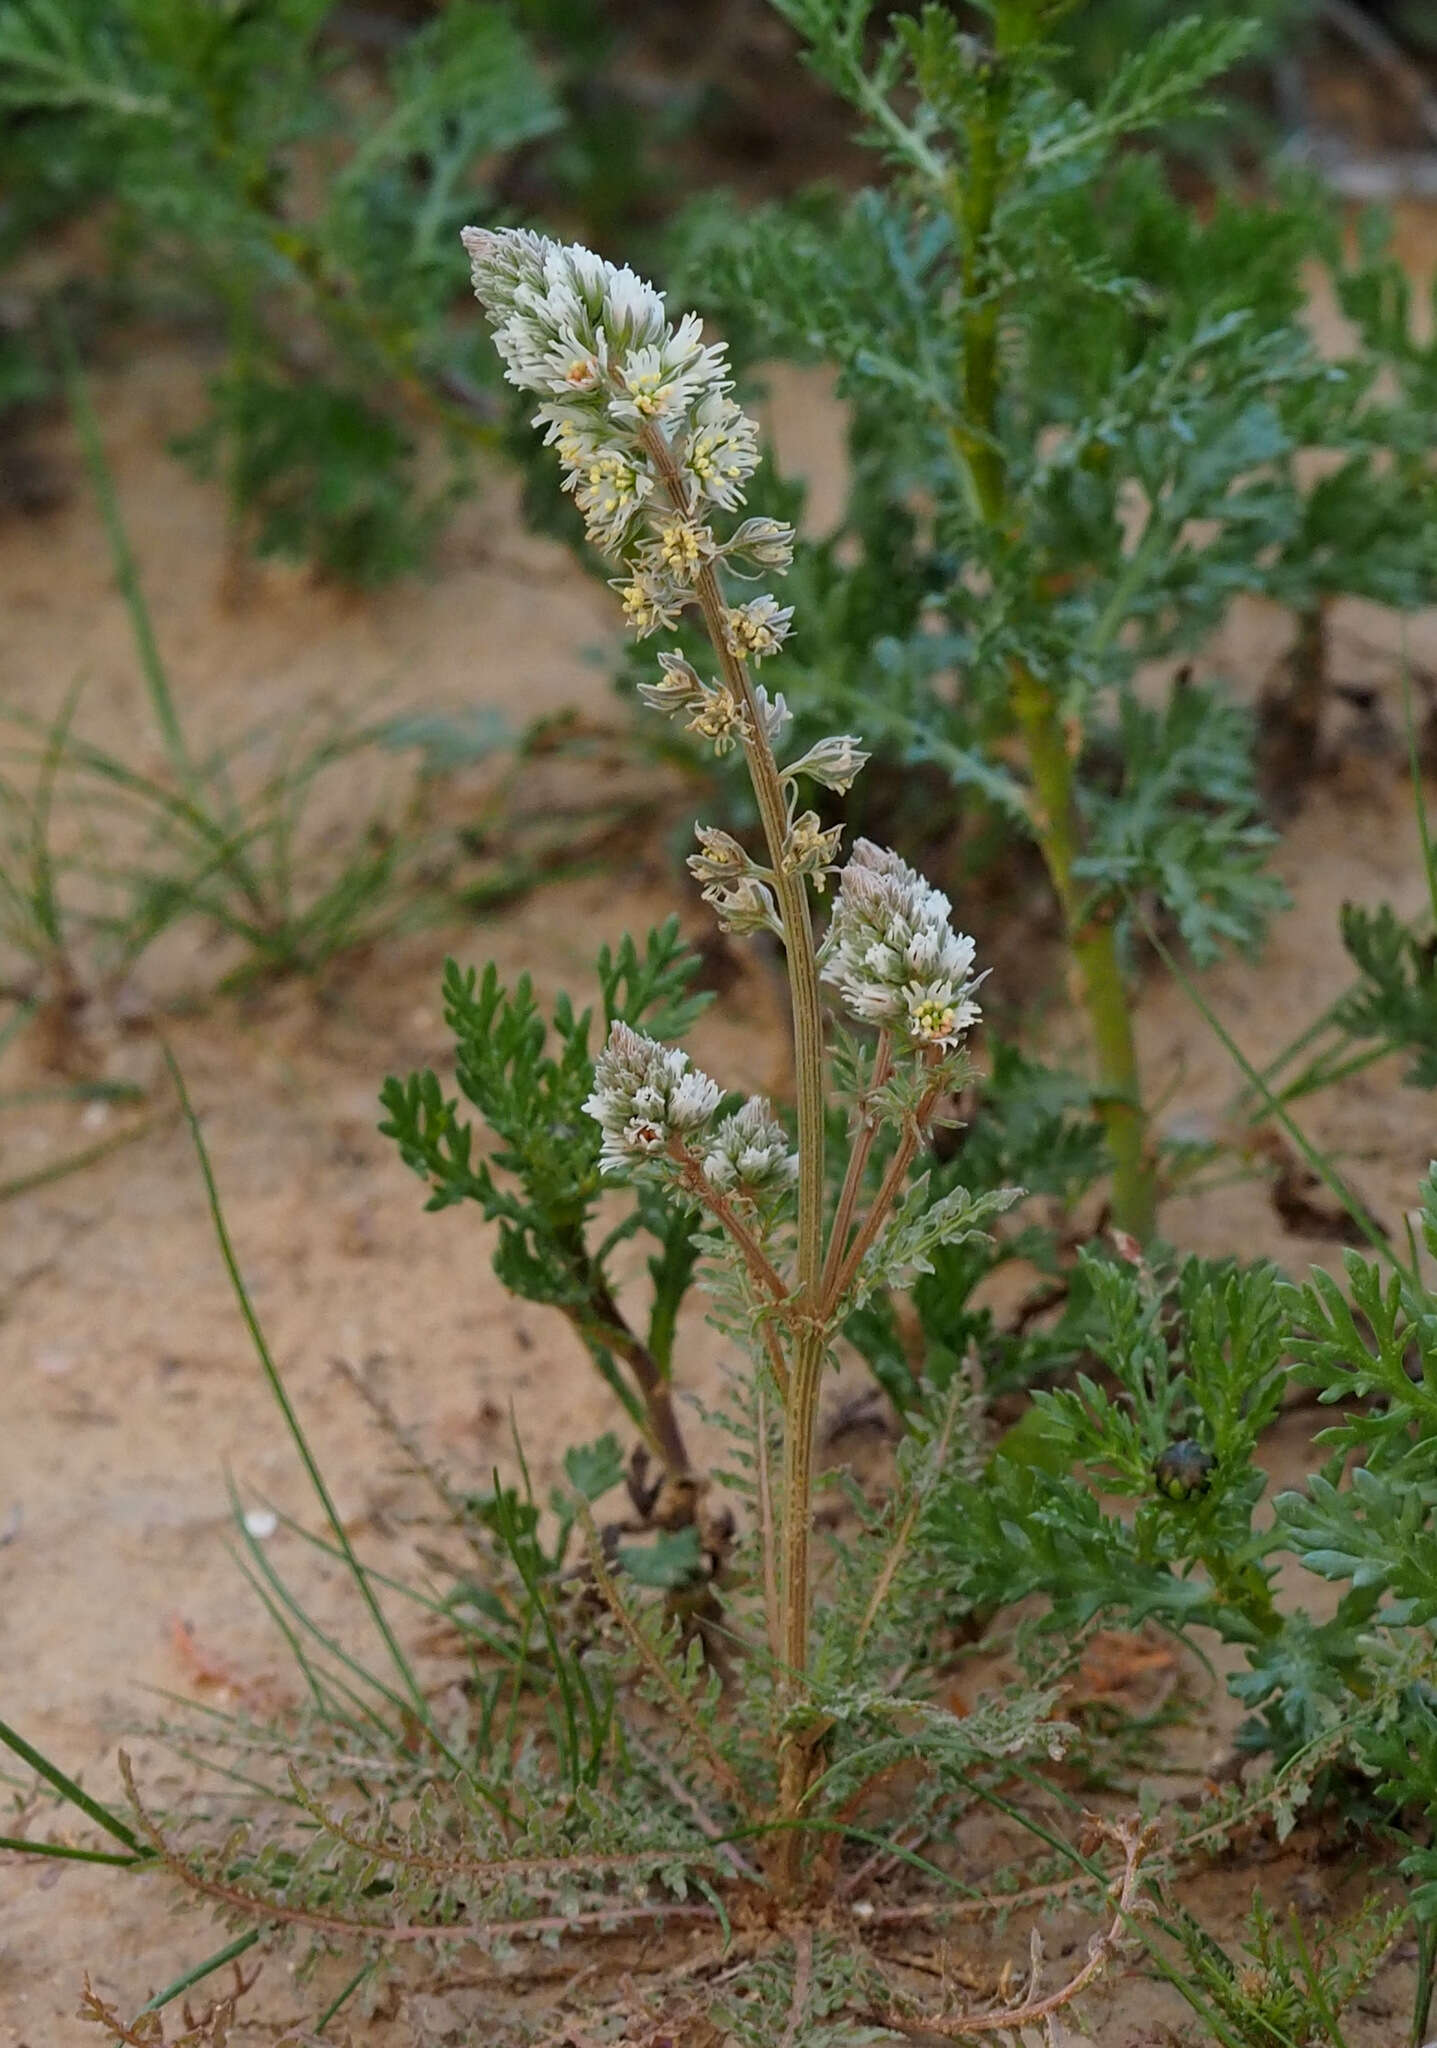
<point x="1135" y="1840"/>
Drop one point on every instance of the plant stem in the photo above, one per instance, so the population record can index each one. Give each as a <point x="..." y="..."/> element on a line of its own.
<point x="1056" y="819"/>
<point x="791" y="890"/>
<point x="713" y="1199"/>
<point x="810" y="1339"/>
<point x="1092" y="943"/>
<point x="888" y="1193"/>
<point x="599" y="1319"/>
<point x="857" y="1163"/>
<point x="810" y="1344"/>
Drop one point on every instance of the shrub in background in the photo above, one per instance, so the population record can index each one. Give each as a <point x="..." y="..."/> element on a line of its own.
<point x="279" y="171"/>
<point x="1077" y="410"/>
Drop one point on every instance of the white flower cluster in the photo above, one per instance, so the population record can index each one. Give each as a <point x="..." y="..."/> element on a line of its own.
<point x="712" y="708"/>
<point x="749" y="1152"/>
<point x="644" y="1095"/>
<point x="642" y="416"/>
<point x="893" y="955"/>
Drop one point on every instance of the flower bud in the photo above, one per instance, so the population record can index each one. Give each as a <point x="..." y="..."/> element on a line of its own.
<point x="810" y="850"/>
<point x="836" y="763"/>
<point x="746" y="907"/>
<point x="679" y="689"/>
<point x="749" y="1152"/>
<point x="1184" y="1469"/>
<point x="773" y="712"/>
<point x="768" y="543"/>
<point x="720" y="857"/>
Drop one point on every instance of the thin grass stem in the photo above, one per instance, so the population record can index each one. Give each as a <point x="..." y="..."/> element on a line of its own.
<point x="230" y="1953"/>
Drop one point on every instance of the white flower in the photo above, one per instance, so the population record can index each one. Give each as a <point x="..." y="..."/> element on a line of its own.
<point x="749" y="1151"/>
<point x="773" y="712"/>
<point x="562" y="315"/>
<point x="683" y="547"/>
<point x="810" y="850"/>
<point x="836" y="762"/>
<point x="609" y="489"/>
<point x="722" y="719"/>
<point x="721" y="452"/>
<point x="893" y="955"/>
<point x="651" y="603"/>
<point x="757" y="629"/>
<point x="680" y="690"/>
<point x="645" y="1094"/>
<point x="665" y="379"/>
<point x="596" y="345"/>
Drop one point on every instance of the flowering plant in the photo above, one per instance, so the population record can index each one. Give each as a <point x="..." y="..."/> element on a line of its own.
<point x="758" y="1802"/>
<point x="653" y="447"/>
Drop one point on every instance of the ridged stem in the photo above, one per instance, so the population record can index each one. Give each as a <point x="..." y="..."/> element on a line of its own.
<point x="1055" y="815"/>
<point x="809" y="1332"/>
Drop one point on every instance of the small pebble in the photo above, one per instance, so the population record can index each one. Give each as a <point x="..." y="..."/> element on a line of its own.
<point x="261" y="1523"/>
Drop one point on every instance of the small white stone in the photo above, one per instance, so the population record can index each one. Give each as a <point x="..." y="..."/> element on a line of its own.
<point x="260" y="1523"/>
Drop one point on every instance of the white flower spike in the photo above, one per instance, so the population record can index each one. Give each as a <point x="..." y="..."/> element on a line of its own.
<point x="593" y="341"/>
<point x="644" y="1095"/>
<point x="893" y="955"/>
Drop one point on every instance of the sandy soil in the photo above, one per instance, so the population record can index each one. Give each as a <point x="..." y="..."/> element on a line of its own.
<point x="130" y="1388"/>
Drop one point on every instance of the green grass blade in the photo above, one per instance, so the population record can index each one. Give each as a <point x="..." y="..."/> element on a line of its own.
<point x="230" y="1953"/>
<point x="43" y="890"/>
<point x="127" y="574"/>
<point x="1316" y="1159"/>
<point x="77" y="1796"/>
<point x="429" y="1602"/>
<point x="286" y="1407"/>
<point x="1426" y="1965"/>
<point x="337" y="2005"/>
<point x="19" y="1846"/>
<point x="1419" y="799"/>
<point x="74" y="1162"/>
<point x="263" y="1571"/>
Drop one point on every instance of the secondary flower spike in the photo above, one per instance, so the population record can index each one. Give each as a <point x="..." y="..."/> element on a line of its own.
<point x="892" y="953"/>
<point x="644" y="1095"/>
<point x="749" y="1151"/>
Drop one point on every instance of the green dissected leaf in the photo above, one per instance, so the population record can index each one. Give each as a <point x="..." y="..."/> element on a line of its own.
<point x="651" y="990"/>
<point x="669" y="1562"/>
<point x="536" y="1172"/>
<point x="1396" y="999"/>
<point x="1152" y="84"/>
<point x="920" y="1226"/>
<point x="594" y="1469"/>
<point x="1022" y="1531"/>
<point x="1183" y="824"/>
<point x="301" y="187"/>
<point x="1193" y="1370"/>
<point x="324" y="475"/>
